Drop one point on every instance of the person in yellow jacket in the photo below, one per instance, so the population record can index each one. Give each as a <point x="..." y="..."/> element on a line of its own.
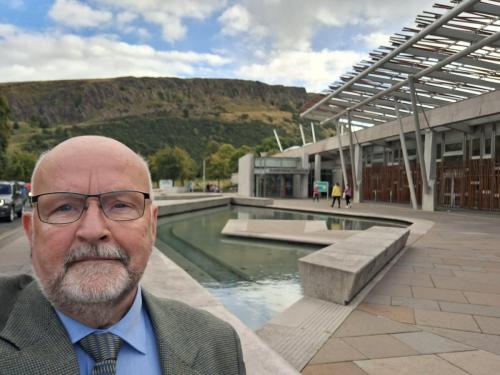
<point x="336" y="193"/>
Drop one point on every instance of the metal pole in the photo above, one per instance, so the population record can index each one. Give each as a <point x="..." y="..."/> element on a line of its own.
<point x="351" y="152"/>
<point x="418" y="136"/>
<point x="422" y="34"/>
<point x="302" y="135"/>
<point x="473" y="47"/>
<point x="342" y="162"/>
<point x="204" y="169"/>
<point x="313" y="134"/>
<point x="278" y="140"/>
<point x="409" y="176"/>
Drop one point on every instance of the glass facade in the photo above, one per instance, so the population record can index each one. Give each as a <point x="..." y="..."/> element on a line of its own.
<point x="274" y="185"/>
<point x="275" y="177"/>
<point x="270" y="162"/>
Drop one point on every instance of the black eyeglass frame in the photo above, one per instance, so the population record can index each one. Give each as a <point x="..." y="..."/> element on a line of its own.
<point x="34" y="200"/>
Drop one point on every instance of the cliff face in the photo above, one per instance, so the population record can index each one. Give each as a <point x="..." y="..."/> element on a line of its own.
<point x="73" y="102"/>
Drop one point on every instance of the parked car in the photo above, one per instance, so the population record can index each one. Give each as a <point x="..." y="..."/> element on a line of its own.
<point x="11" y="200"/>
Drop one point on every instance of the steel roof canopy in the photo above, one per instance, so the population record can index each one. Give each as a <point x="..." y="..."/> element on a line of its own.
<point x="452" y="54"/>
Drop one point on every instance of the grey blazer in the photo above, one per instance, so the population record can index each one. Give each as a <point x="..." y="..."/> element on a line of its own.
<point x="33" y="340"/>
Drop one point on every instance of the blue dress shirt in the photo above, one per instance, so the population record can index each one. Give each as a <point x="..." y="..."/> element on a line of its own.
<point x="139" y="351"/>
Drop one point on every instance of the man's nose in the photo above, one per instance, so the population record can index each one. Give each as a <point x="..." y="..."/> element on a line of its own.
<point x="93" y="225"/>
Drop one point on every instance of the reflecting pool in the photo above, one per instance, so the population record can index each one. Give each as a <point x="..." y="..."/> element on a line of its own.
<point x="254" y="279"/>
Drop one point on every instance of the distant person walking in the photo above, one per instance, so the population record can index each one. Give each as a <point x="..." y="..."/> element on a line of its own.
<point x="315" y="193"/>
<point x="336" y="194"/>
<point x="347" y="196"/>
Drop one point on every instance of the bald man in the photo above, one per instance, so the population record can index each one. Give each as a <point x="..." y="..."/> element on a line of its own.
<point x="91" y="234"/>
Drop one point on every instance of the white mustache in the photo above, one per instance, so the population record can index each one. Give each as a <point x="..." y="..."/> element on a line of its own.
<point x="95" y="251"/>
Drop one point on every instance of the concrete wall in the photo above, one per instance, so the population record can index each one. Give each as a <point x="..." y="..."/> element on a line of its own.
<point x="245" y="175"/>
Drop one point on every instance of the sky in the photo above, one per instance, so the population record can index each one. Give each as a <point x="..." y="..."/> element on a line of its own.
<point x="288" y="42"/>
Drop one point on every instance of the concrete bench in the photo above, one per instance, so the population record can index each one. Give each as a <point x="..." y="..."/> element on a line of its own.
<point x="338" y="272"/>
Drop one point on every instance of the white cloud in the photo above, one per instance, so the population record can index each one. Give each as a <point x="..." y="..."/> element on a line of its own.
<point x="292" y="24"/>
<point x="169" y="14"/>
<point x="126" y="17"/>
<point x="74" y="14"/>
<point x="55" y="56"/>
<point x="311" y="69"/>
<point x="235" y="20"/>
<point x="373" y="40"/>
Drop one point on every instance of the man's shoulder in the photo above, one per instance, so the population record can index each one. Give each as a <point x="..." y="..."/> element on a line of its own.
<point x="206" y="342"/>
<point x="11" y="288"/>
<point x="185" y="314"/>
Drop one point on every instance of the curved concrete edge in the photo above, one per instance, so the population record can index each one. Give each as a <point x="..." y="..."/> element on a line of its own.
<point x="302" y="231"/>
<point x="165" y="279"/>
<point x="417" y="226"/>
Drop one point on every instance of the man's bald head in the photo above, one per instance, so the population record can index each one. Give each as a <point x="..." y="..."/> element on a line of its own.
<point x="92" y="151"/>
<point x="108" y="252"/>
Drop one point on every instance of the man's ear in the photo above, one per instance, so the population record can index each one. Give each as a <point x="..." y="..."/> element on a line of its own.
<point x="28" y="224"/>
<point x="154" y="221"/>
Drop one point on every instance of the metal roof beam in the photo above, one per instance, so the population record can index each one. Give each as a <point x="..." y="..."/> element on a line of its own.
<point x="422" y="99"/>
<point x="382" y="102"/>
<point x="435" y="89"/>
<point x="445" y="76"/>
<point x="484" y="8"/>
<point x="460" y="35"/>
<point x="465" y="60"/>
<point x="466" y="4"/>
<point x="427" y="71"/>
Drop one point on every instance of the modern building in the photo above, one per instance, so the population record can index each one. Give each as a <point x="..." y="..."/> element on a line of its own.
<point x="418" y="123"/>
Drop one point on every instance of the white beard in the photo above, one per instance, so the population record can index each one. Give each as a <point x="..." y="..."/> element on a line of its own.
<point x="91" y="289"/>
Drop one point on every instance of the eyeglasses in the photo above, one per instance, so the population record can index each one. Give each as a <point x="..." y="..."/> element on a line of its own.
<point x="65" y="208"/>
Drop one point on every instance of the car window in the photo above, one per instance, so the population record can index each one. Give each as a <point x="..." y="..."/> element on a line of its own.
<point x="5" y="189"/>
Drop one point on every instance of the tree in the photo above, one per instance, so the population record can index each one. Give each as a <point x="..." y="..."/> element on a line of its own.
<point x="219" y="163"/>
<point x="268" y="146"/>
<point x="20" y="165"/>
<point x="188" y="165"/>
<point x="4" y="131"/>
<point x="218" y="168"/>
<point x="211" y="148"/>
<point x="237" y="154"/>
<point x="172" y="163"/>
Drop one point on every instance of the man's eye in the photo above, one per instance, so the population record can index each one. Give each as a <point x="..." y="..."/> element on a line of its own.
<point x="121" y="205"/>
<point x="64" y="208"/>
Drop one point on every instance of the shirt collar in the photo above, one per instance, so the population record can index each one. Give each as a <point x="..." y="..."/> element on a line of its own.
<point x="131" y="328"/>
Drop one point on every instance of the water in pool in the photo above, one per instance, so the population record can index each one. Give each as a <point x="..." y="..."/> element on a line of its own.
<point x="254" y="279"/>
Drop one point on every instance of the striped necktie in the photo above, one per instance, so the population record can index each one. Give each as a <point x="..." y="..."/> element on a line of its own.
<point x="103" y="348"/>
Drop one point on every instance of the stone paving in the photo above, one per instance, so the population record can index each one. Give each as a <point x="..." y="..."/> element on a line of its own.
<point x="436" y="311"/>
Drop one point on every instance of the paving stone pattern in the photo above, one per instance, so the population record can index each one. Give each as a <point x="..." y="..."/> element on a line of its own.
<point x="437" y="311"/>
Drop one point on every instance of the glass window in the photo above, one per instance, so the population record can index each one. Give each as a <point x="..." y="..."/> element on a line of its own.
<point x="497" y="145"/>
<point x="487" y="146"/>
<point x="452" y="147"/>
<point x="476" y="147"/>
<point x="290" y="163"/>
<point x="439" y="151"/>
<point x="277" y="162"/>
<point x="5" y="189"/>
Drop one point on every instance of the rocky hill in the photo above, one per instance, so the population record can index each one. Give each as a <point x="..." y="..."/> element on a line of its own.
<point x="147" y="113"/>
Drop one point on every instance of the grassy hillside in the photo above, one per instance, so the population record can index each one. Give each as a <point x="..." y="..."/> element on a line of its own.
<point x="147" y="113"/>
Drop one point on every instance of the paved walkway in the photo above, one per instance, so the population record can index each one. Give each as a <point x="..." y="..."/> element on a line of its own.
<point x="437" y="311"/>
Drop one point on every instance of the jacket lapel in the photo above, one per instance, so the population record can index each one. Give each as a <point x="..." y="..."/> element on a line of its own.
<point x="177" y="352"/>
<point x="42" y="343"/>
